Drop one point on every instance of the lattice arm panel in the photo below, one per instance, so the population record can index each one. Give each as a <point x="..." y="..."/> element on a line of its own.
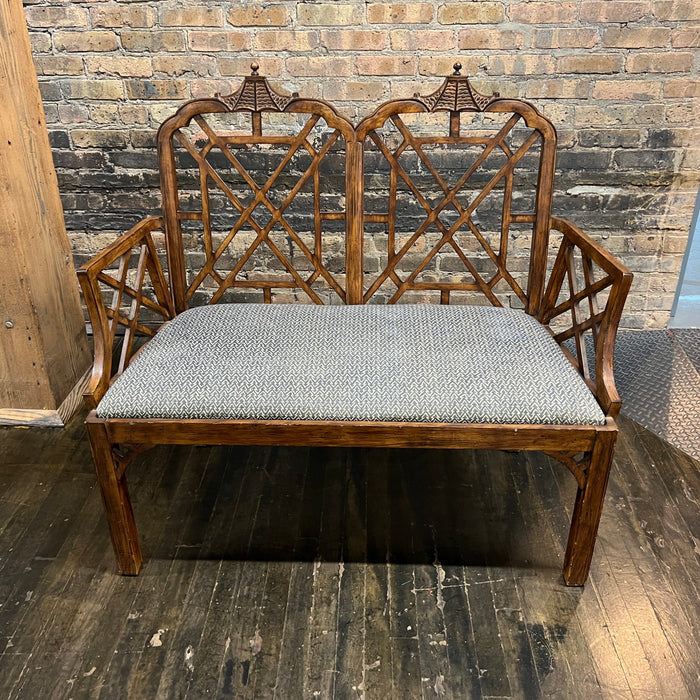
<point x="585" y="295"/>
<point x="125" y="291"/>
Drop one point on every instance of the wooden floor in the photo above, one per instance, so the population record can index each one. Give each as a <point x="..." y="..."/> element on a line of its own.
<point x="334" y="573"/>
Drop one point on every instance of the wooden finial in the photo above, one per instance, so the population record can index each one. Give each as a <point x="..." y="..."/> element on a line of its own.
<point x="458" y="67"/>
<point x="254" y="68"/>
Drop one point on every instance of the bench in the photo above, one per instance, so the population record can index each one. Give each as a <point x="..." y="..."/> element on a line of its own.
<point x="442" y="198"/>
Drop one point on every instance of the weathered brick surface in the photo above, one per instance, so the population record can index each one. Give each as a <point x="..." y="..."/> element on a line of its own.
<point x="618" y="78"/>
<point x="329" y="14"/>
<point x="471" y="13"/>
<point x="400" y="13"/>
<point x="259" y="16"/>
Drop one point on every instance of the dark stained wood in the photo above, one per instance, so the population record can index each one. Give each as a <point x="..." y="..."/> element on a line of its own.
<point x="116" y="442"/>
<point x="348" y="433"/>
<point x="602" y="324"/>
<point x="250" y="543"/>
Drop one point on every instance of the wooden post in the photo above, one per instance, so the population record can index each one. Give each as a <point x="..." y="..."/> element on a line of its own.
<point x="44" y="352"/>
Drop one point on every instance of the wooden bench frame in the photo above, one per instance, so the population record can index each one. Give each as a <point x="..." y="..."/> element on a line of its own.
<point x="586" y="451"/>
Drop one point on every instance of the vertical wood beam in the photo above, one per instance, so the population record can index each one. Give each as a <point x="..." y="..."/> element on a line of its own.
<point x="354" y="220"/>
<point x="44" y="352"/>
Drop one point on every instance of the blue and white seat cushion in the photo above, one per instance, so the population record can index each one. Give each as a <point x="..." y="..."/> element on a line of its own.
<point x="446" y="364"/>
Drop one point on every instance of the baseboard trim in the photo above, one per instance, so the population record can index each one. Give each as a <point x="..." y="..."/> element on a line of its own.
<point x="51" y="418"/>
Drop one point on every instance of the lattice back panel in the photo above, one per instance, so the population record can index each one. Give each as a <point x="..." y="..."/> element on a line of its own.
<point x="261" y="206"/>
<point x="450" y="207"/>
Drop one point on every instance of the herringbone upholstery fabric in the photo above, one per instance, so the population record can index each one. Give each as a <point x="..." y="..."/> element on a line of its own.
<point x="455" y="364"/>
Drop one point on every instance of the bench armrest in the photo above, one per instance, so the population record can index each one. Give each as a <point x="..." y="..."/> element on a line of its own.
<point x="581" y="271"/>
<point x="118" y="284"/>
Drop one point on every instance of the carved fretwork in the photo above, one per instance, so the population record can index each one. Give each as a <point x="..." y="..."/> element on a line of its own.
<point x="455" y="95"/>
<point x="577" y="463"/>
<point x="256" y="95"/>
<point x="499" y="181"/>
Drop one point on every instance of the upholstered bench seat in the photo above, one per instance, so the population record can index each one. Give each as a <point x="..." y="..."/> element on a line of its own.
<point x="416" y="363"/>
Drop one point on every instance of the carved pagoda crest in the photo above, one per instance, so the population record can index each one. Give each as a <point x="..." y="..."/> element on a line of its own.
<point x="256" y="95"/>
<point x="455" y="95"/>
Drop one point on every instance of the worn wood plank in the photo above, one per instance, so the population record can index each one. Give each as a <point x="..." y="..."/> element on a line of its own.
<point x="288" y="474"/>
<point x="377" y="680"/>
<point x="252" y="541"/>
<point x="567" y="638"/>
<point x="350" y="657"/>
<point x="44" y="349"/>
<point x="230" y="542"/>
<point x="300" y="595"/>
<point x="401" y="585"/>
<point x="320" y="663"/>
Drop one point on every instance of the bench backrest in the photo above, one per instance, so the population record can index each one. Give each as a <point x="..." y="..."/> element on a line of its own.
<point x="276" y="197"/>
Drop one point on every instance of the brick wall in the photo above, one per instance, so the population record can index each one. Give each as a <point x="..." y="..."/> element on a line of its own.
<point x="619" y="78"/>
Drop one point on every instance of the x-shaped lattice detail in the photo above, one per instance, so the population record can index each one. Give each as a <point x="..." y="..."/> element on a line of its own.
<point x="450" y="198"/>
<point x="260" y="197"/>
<point x="121" y="289"/>
<point x="565" y="266"/>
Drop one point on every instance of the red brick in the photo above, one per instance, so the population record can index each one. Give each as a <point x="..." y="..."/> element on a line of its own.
<point x="385" y="65"/>
<point x="590" y="63"/>
<point x="395" y="13"/>
<point x="542" y="12"/>
<point x="565" y="38"/>
<point x="218" y="41"/>
<point x="635" y="38"/>
<point x="660" y="62"/>
<point x="354" y="40"/>
<point x="489" y="39"/>
<point x="286" y="41"/>
<point x="424" y="40"/>
<point x="331" y="67"/>
<point x="626" y="90"/>
<point x="85" y="41"/>
<point x="613" y="11"/>
<point x="471" y="13"/>
<point x="264" y="16"/>
<point x="192" y="16"/>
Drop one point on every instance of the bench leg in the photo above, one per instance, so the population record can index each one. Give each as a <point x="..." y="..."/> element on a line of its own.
<point x="587" y="511"/>
<point x="115" y="496"/>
